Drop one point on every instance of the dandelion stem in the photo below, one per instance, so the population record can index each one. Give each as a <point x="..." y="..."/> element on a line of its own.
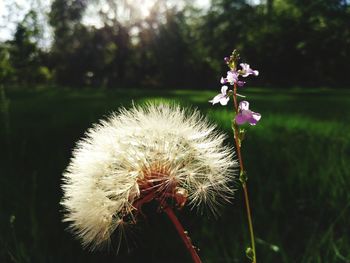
<point x="243" y="181"/>
<point x="181" y="231"/>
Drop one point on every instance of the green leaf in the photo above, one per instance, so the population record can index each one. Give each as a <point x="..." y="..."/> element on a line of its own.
<point x="243" y="177"/>
<point x="249" y="253"/>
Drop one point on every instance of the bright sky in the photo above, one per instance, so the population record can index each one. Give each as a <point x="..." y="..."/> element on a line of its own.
<point x="13" y="11"/>
<point x="145" y="6"/>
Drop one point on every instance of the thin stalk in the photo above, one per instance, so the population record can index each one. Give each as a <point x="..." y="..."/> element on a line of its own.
<point x="4" y="111"/>
<point x="181" y="231"/>
<point x="244" y="184"/>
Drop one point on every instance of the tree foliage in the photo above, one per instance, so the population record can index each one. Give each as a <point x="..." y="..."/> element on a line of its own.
<point x="292" y="42"/>
<point x="21" y="60"/>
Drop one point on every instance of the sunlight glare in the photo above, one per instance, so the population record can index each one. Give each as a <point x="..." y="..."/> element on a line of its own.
<point x="146" y="6"/>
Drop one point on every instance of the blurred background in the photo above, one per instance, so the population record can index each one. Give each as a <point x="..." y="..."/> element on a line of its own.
<point x="64" y="64"/>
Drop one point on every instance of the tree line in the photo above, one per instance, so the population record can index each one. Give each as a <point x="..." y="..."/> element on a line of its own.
<point x="291" y="42"/>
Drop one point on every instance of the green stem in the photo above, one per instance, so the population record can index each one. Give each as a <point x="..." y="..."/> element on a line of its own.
<point x="244" y="183"/>
<point x="250" y="223"/>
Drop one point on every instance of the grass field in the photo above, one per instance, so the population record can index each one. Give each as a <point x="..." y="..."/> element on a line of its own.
<point x="297" y="159"/>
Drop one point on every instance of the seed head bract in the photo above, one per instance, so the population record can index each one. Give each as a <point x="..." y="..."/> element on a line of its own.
<point x="137" y="155"/>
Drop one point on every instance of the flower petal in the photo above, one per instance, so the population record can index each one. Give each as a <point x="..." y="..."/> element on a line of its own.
<point x="244" y="105"/>
<point x="232" y="77"/>
<point x="224" y="100"/>
<point x="240" y="83"/>
<point x="245" y="66"/>
<point x="240" y="119"/>
<point x="224" y="90"/>
<point x="223" y="80"/>
<point x="255" y="117"/>
<point x="246" y="70"/>
<point x="216" y="99"/>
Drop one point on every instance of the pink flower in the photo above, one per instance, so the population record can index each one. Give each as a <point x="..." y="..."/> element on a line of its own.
<point x="246" y="115"/>
<point x="232" y="78"/>
<point x="246" y="70"/>
<point x="222" y="97"/>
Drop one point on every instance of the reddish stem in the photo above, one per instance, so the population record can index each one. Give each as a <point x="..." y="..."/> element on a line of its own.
<point x="170" y="213"/>
<point x="238" y="145"/>
<point x="244" y="184"/>
<point x="181" y="231"/>
<point x="235" y="97"/>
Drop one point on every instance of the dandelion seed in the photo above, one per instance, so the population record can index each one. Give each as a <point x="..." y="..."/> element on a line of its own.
<point x="136" y="156"/>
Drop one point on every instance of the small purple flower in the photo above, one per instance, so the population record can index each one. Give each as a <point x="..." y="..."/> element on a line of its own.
<point x="246" y="70"/>
<point x="232" y="78"/>
<point x="223" y="80"/>
<point x="246" y="115"/>
<point x="240" y="83"/>
<point x="222" y="97"/>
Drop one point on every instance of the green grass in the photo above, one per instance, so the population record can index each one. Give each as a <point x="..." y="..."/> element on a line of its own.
<point x="297" y="159"/>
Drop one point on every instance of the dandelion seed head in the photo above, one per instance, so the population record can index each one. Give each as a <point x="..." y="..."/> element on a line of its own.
<point x="134" y="156"/>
